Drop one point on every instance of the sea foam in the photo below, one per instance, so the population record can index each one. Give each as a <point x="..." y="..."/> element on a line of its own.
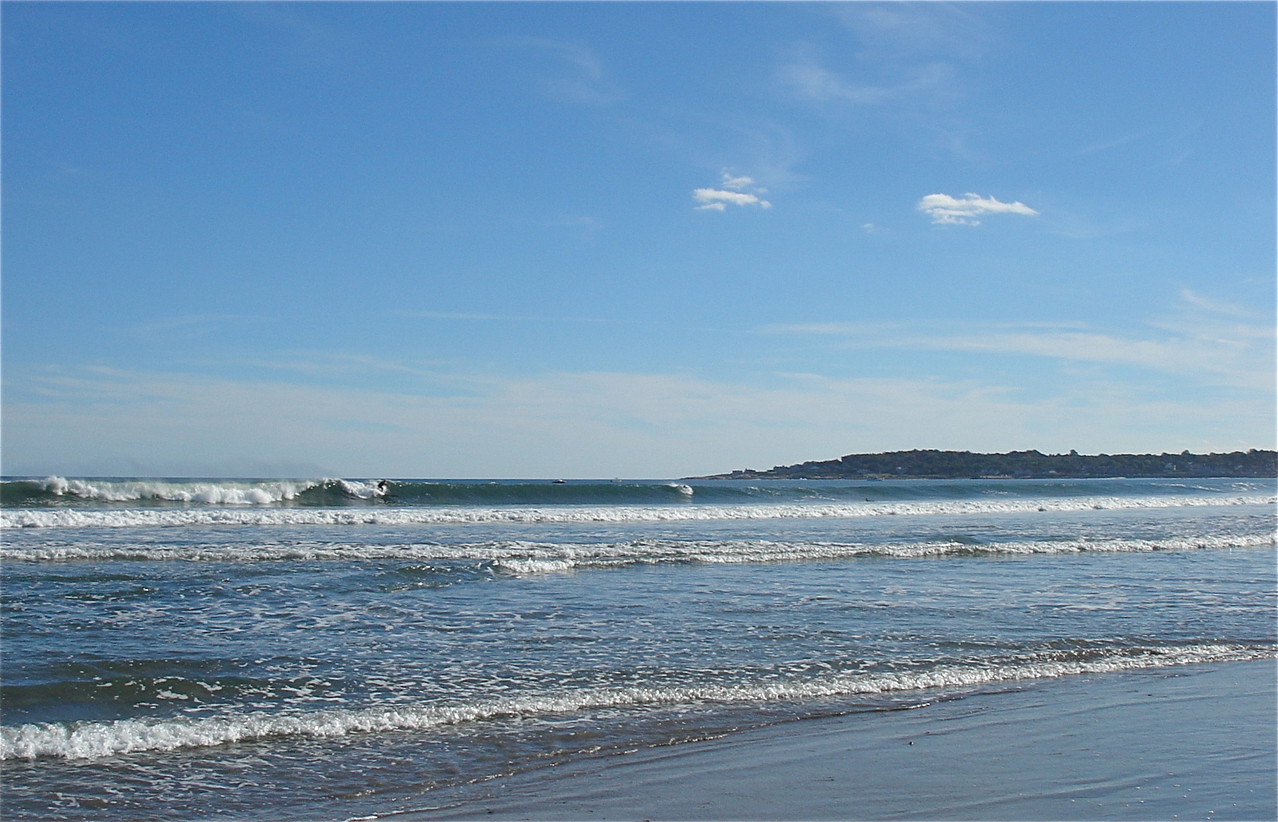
<point x="169" y="517"/>
<point x="91" y="740"/>
<point x="529" y="557"/>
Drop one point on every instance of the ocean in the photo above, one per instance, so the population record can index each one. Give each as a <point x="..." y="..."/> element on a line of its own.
<point x="341" y="649"/>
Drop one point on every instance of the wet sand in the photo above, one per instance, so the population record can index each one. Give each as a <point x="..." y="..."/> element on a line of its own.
<point x="1190" y="742"/>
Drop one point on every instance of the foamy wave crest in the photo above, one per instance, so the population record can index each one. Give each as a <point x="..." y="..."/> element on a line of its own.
<point x="527" y="557"/>
<point x="356" y="489"/>
<point x="206" y="493"/>
<point x="148" y="517"/>
<point x="544" y="559"/>
<point x="89" y="740"/>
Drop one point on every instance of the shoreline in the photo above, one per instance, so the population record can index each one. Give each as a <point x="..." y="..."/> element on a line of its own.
<point x="1183" y="742"/>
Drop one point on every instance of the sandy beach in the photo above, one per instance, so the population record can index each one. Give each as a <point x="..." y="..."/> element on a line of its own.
<point x="1190" y="742"/>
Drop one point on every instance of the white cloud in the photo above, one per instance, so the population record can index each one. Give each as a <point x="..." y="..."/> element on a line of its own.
<point x="737" y="183"/>
<point x="737" y="191"/>
<point x="709" y="206"/>
<point x="947" y="210"/>
<point x="716" y="199"/>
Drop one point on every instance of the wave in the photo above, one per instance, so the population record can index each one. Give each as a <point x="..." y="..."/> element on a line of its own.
<point x="96" y="739"/>
<point x="126" y="517"/>
<point x="528" y="557"/>
<point x="555" y="560"/>
<point x="62" y="491"/>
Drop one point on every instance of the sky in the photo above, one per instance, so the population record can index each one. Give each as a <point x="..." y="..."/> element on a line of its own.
<point x="630" y="239"/>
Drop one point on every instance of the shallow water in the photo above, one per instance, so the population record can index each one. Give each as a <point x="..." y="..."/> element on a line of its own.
<point x="1187" y="742"/>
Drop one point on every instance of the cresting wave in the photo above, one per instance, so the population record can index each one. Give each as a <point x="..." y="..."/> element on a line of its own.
<point x="89" y="740"/>
<point x="210" y="492"/>
<point x="170" y="517"/>
<point x="61" y="492"/>
<point x="525" y="557"/>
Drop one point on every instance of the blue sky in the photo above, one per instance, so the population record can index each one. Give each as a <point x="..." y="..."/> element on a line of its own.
<point x="630" y="239"/>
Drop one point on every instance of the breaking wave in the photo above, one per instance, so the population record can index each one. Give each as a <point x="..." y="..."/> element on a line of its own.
<point x="244" y="514"/>
<point x="95" y="739"/>
<point x="528" y="557"/>
<point x="62" y="491"/>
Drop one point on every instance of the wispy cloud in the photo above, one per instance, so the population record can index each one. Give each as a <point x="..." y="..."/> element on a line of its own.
<point x="191" y="326"/>
<point x="380" y="416"/>
<point x="904" y="30"/>
<point x="569" y="424"/>
<point x="341" y="366"/>
<point x="502" y="318"/>
<point x="1108" y="145"/>
<point x="734" y="190"/>
<point x="947" y="210"/>
<point x="575" y="75"/>
<point x="808" y="79"/>
<point x="1192" y="300"/>
<point x="1225" y="350"/>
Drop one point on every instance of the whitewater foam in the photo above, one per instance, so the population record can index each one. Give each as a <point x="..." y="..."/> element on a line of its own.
<point x="91" y="740"/>
<point x="526" y="557"/>
<point x="206" y="493"/>
<point x="170" y="517"/>
<point x="211" y="492"/>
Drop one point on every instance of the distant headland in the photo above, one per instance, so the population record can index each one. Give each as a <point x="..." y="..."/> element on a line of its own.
<point x="1020" y="465"/>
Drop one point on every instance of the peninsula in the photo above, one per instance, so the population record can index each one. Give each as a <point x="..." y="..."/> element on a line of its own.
<point x="929" y="464"/>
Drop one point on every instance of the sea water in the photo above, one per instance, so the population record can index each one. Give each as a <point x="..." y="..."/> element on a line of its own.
<point x="181" y="649"/>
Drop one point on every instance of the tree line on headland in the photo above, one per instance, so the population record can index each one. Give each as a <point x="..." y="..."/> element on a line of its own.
<point x="930" y="464"/>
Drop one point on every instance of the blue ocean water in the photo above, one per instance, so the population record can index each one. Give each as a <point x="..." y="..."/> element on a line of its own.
<point x="184" y="649"/>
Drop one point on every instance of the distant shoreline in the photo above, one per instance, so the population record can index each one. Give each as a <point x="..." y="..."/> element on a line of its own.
<point x="931" y="464"/>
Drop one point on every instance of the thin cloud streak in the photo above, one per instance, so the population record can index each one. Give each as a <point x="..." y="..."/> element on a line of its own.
<point x="892" y="30"/>
<point x="578" y="75"/>
<point x="192" y="326"/>
<point x="1238" y="355"/>
<point x="490" y="318"/>
<point x="806" y="78"/>
<point x="553" y="424"/>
